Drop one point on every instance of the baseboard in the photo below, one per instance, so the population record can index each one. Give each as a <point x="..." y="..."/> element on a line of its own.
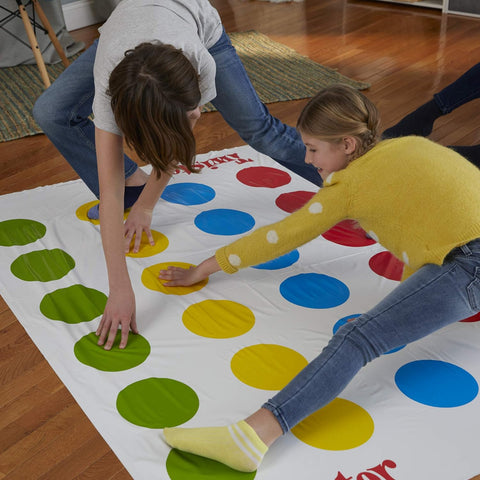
<point x="467" y="14"/>
<point x="80" y="14"/>
<point x="467" y="7"/>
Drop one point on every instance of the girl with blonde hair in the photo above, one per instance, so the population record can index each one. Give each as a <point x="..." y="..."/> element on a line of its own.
<point x="418" y="199"/>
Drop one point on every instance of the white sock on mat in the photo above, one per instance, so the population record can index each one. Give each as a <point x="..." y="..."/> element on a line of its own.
<point x="236" y="445"/>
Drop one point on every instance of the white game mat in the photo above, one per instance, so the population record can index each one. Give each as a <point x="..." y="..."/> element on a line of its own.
<point x="213" y="353"/>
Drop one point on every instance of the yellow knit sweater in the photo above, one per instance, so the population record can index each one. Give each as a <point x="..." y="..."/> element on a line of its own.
<point x="416" y="198"/>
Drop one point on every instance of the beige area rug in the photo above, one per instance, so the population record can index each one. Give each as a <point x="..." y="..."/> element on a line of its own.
<point x="278" y="73"/>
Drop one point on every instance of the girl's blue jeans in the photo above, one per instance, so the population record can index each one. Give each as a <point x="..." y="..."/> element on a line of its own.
<point x="63" y="112"/>
<point x="465" y="89"/>
<point x="433" y="297"/>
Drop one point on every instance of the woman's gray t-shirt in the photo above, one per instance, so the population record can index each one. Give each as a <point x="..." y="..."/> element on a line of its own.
<point x="190" y="25"/>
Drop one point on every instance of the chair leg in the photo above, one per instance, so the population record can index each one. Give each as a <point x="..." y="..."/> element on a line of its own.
<point x="50" y="32"/>
<point x="34" y="44"/>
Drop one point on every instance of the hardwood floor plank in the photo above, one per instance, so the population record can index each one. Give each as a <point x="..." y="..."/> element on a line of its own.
<point x="122" y="475"/>
<point x="6" y="319"/>
<point x="30" y="413"/>
<point x="73" y="465"/>
<point x="16" y="388"/>
<point x="102" y="468"/>
<point x="49" y="444"/>
<point x="17" y="357"/>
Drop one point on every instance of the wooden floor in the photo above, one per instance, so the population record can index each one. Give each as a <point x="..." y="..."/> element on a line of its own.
<point x="406" y="53"/>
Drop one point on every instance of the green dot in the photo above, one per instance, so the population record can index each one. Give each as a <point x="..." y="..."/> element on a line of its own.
<point x="90" y="353"/>
<point x="20" y="231"/>
<point x="42" y="265"/>
<point x="73" y="304"/>
<point x="186" y="466"/>
<point x="157" y="403"/>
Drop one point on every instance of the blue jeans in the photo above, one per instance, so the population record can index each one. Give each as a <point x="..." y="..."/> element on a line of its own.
<point x="63" y="112"/>
<point x="241" y="108"/>
<point x="433" y="297"/>
<point x="463" y="90"/>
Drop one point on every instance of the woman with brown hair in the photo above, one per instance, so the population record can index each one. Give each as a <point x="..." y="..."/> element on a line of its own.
<point x="155" y="64"/>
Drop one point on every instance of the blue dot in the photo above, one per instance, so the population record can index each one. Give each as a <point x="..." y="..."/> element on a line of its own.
<point x="188" y="193"/>
<point x="314" y="290"/>
<point x="436" y="383"/>
<point x="224" y="221"/>
<point x="280" y="262"/>
<point x="349" y="318"/>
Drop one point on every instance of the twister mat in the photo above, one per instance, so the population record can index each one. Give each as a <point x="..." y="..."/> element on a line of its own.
<point x="213" y="353"/>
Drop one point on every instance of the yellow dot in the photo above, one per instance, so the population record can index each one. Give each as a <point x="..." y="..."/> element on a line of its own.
<point x="82" y="210"/>
<point x="340" y="425"/>
<point x="218" y="319"/>
<point x="147" y="250"/>
<point x="268" y="367"/>
<point x="150" y="279"/>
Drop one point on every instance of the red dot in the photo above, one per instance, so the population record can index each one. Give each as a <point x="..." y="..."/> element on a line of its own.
<point x="263" y="177"/>
<point x="291" y="201"/>
<point x="473" y="318"/>
<point x="348" y="233"/>
<point x="386" y="265"/>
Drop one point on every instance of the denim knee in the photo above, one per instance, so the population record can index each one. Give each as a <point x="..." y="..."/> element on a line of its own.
<point x="44" y="111"/>
<point x="361" y="335"/>
<point x="38" y="111"/>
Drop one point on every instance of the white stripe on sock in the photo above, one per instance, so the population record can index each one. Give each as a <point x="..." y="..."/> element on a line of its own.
<point x="248" y="442"/>
<point x="240" y="445"/>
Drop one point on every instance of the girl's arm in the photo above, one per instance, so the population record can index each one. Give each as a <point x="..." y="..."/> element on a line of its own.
<point x="177" y="276"/>
<point x="120" y="307"/>
<point x="323" y="211"/>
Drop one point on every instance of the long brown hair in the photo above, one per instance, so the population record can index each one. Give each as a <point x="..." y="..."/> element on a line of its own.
<point x="151" y="91"/>
<point x="339" y="111"/>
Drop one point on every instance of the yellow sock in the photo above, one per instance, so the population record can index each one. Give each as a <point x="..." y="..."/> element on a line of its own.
<point x="236" y="445"/>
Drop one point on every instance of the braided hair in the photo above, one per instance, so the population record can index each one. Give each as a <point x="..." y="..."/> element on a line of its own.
<point x="339" y="111"/>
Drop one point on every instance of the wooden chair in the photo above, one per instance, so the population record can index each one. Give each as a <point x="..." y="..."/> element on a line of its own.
<point x="31" y="25"/>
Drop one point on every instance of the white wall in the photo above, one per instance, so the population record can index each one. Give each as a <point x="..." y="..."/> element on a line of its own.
<point x="80" y="13"/>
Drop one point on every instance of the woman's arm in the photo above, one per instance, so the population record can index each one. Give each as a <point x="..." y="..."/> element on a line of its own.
<point x="140" y="217"/>
<point x="120" y="307"/>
